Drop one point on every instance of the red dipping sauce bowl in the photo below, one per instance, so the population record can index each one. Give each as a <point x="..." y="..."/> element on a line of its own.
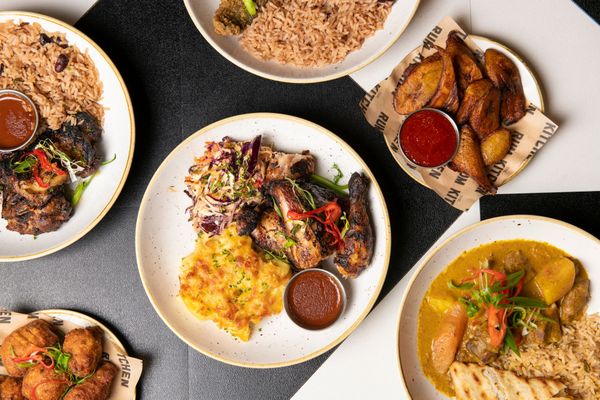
<point x="428" y="138"/>
<point x="314" y="299"/>
<point x="19" y="120"/>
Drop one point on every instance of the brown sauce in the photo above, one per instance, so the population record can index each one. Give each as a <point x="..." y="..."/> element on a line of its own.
<point x="314" y="300"/>
<point x="17" y="121"/>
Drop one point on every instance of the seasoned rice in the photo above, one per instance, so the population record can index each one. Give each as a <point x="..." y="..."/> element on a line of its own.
<point x="29" y="67"/>
<point x="313" y="33"/>
<point x="574" y="360"/>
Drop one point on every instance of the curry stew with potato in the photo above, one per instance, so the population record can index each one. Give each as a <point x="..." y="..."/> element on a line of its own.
<point x="494" y="299"/>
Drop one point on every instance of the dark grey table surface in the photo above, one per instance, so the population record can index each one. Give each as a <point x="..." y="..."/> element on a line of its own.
<point x="179" y="84"/>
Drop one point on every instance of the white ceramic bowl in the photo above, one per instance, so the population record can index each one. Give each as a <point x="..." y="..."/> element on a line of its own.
<point x="572" y="240"/>
<point x="118" y="138"/>
<point x="202" y="11"/>
<point x="164" y="235"/>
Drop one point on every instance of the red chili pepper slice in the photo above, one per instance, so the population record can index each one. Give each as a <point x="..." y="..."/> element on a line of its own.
<point x="332" y="212"/>
<point x="38" y="178"/>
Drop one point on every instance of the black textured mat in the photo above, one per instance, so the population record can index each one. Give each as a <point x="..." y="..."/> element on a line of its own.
<point x="578" y="208"/>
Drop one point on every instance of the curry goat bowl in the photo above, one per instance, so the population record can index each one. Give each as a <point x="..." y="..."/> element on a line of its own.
<point x="509" y="305"/>
<point x="56" y="186"/>
<point x="333" y="38"/>
<point x="234" y="212"/>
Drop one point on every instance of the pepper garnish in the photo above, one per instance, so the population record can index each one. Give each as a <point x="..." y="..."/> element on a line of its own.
<point x="328" y="215"/>
<point x="495" y="295"/>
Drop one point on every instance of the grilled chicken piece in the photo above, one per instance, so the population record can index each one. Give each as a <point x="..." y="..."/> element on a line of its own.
<point x="575" y="301"/>
<point x="30" y="219"/>
<point x="269" y="233"/>
<point x="248" y="219"/>
<point x="323" y="196"/>
<point x="308" y="251"/>
<point x="475" y="346"/>
<point x="10" y="388"/>
<point x="293" y="166"/>
<point x="359" y="240"/>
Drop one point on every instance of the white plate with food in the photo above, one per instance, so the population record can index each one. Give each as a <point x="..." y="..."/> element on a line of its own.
<point x="509" y="305"/>
<point x="63" y="169"/>
<point x="234" y="211"/>
<point x="53" y="354"/>
<point x="301" y="41"/>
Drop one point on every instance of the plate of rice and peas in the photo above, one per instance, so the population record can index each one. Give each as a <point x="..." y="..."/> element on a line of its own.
<point x="66" y="135"/>
<point x="258" y="251"/>
<point x="507" y="308"/>
<point x="301" y="41"/>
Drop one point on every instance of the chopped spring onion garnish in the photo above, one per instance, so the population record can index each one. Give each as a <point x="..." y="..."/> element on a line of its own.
<point x="327" y="184"/>
<point x="79" y="189"/>
<point x="338" y="175"/>
<point x="306" y="195"/>
<point x="109" y="161"/>
<point x="250" y="7"/>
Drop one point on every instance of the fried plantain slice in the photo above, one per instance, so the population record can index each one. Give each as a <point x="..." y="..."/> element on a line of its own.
<point x="419" y="85"/>
<point x="446" y="94"/>
<point x="469" y="160"/>
<point x="466" y="67"/>
<point x="505" y="75"/>
<point x="485" y="117"/>
<point x="475" y="92"/>
<point x="495" y="146"/>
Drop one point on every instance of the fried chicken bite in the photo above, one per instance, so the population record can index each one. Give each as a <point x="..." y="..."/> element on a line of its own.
<point x="98" y="386"/>
<point x="41" y="383"/>
<point x="10" y="388"/>
<point x="85" y="347"/>
<point x="22" y="342"/>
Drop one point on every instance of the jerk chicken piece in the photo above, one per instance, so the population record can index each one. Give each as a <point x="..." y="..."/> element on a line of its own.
<point x="232" y="17"/>
<point x="359" y="240"/>
<point x="290" y="165"/>
<point x="269" y="233"/>
<point x="30" y="219"/>
<point x="97" y="387"/>
<point x="475" y="346"/>
<point x="10" y="388"/>
<point x="573" y="304"/>
<point x="309" y="248"/>
<point x="41" y="383"/>
<point x="85" y="347"/>
<point x="78" y="142"/>
<point x="24" y="341"/>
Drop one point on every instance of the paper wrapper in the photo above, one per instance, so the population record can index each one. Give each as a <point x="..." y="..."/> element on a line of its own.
<point x="130" y="369"/>
<point x="530" y="133"/>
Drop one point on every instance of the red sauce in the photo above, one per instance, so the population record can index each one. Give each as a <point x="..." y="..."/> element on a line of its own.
<point x="428" y="138"/>
<point x="17" y="121"/>
<point x="314" y="300"/>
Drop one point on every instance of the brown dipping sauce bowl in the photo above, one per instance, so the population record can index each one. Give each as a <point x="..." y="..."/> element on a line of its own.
<point x="314" y="299"/>
<point x="19" y="120"/>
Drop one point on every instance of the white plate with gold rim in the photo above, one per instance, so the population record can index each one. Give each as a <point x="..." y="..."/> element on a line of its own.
<point x="202" y="11"/>
<point x="164" y="235"/>
<point x="572" y="240"/>
<point x="118" y="139"/>
<point x="531" y="88"/>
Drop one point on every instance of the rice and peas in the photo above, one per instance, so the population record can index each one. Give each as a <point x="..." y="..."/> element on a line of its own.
<point x="59" y="78"/>
<point x="313" y="33"/>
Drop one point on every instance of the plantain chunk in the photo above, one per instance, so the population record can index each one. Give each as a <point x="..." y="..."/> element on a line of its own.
<point x="485" y="117"/>
<point x="469" y="160"/>
<point x="419" y="85"/>
<point x="480" y="107"/>
<point x="466" y="67"/>
<point x="495" y="146"/>
<point x="446" y="94"/>
<point x="505" y="75"/>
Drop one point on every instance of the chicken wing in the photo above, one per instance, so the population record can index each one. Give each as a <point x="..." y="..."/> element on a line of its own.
<point x="10" y="388"/>
<point x="469" y="160"/>
<point x="359" y="240"/>
<point x="305" y="249"/>
<point x="41" y="383"/>
<point x="466" y="66"/>
<point x="85" y="347"/>
<point x="23" y="341"/>
<point x="98" y="386"/>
